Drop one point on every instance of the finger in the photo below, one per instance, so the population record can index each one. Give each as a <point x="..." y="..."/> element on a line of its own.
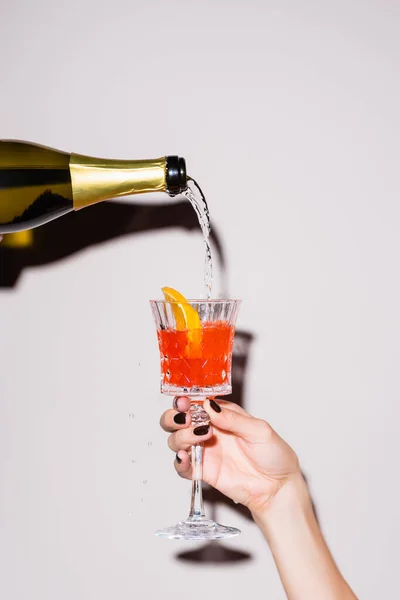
<point x="171" y="420"/>
<point x="243" y="425"/>
<point x="231" y="405"/>
<point x="185" y="438"/>
<point x="183" y="465"/>
<point x="181" y="403"/>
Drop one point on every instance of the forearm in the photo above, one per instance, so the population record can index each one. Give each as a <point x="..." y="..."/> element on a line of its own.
<point x="305" y="565"/>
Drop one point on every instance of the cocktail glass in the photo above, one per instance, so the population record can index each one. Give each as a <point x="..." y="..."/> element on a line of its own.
<point x="196" y="363"/>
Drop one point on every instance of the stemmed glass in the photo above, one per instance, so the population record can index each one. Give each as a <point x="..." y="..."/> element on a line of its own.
<point x="196" y="363"/>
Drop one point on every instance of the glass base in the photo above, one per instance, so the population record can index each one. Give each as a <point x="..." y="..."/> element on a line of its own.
<point x="197" y="529"/>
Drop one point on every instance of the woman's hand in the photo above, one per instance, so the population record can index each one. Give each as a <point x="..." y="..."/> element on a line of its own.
<point x="244" y="458"/>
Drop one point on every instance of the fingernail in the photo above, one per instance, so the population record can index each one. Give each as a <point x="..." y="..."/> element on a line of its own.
<point x="180" y="418"/>
<point x="178" y="460"/>
<point x="202" y="430"/>
<point x="215" y="406"/>
<point x="175" y="402"/>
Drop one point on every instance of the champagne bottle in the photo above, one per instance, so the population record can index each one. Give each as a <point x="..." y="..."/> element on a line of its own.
<point x="39" y="184"/>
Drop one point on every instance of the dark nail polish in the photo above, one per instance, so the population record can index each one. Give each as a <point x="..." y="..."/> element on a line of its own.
<point x="180" y="418"/>
<point x="175" y="402"/>
<point x="178" y="460"/>
<point x="215" y="406"/>
<point x="202" y="430"/>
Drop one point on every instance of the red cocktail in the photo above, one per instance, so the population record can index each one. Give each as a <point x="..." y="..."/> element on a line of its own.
<point x="197" y="358"/>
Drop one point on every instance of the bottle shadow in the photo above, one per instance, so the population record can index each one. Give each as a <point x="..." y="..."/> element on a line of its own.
<point x="101" y="223"/>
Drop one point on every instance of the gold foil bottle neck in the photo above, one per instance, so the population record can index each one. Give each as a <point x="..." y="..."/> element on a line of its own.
<point x="96" y="179"/>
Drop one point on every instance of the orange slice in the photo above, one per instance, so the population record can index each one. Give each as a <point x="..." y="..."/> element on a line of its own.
<point x="186" y="318"/>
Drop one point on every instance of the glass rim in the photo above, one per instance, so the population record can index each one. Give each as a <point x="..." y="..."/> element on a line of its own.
<point x="198" y="301"/>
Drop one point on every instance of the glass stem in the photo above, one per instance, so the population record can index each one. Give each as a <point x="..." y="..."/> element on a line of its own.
<point x="197" y="504"/>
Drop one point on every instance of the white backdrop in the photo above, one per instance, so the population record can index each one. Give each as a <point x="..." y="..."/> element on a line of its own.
<point x="288" y="115"/>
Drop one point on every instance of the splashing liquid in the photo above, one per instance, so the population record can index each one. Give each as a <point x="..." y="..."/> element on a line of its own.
<point x="196" y="198"/>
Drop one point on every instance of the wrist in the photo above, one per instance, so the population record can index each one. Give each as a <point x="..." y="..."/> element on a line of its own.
<point x="291" y="502"/>
<point x="305" y="565"/>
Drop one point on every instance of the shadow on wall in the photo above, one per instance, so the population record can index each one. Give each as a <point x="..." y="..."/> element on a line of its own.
<point x="98" y="224"/>
<point x="103" y="223"/>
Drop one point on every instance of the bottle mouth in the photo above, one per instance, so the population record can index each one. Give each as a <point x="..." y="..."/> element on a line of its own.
<point x="176" y="177"/>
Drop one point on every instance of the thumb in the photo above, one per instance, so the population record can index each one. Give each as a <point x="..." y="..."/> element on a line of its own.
<point x="244" y="426"/>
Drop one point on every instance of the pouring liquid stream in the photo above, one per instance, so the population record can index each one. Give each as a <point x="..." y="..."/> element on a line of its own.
<point x="196" y="198"/>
